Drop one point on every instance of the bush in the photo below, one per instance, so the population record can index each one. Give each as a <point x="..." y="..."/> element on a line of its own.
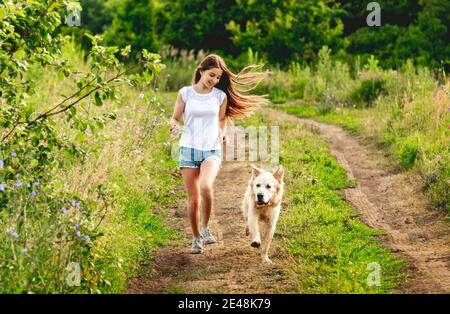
<point x="368" y="91"/>
<point x="408" y="154"/>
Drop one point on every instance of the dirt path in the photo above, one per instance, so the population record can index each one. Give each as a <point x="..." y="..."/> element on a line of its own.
<point x="392" y="201"/>
<point x="385" y="198"/>
<point x="229" y="266"/>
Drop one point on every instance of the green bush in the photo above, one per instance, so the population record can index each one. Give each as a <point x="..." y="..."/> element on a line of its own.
<point x="368" y="91"/>
<point x="408" y="154"/>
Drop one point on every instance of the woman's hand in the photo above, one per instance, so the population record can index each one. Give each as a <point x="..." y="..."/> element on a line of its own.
<point x="175" y="129"/>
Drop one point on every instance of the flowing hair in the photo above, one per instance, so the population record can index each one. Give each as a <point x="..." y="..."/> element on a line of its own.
<point x="239" y="104"/>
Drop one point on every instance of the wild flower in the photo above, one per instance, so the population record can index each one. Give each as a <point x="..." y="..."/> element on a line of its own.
<point x="18" y="183"/>
<point x="2" y="186"/>
<point x="11" y="232"/>
<point x="63" y="210"/>
<point x="1" y="163"/>
<point x="75" y="204"/>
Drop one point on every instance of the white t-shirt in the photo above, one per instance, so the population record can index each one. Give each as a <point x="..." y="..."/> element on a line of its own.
<point x="201" y="118"/>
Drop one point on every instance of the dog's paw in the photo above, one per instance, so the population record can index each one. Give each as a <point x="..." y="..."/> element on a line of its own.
<point x="255" y="244"/>
<point x="266" y="260"/>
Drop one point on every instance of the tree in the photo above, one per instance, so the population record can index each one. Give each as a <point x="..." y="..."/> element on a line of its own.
<point x="133" y="23"/>
<point x="198" y="24"/>
<point x="285" y="31"/>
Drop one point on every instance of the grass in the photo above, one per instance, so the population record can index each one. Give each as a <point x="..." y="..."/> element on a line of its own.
<point x="411" y="135"/>
<point x="331" y="250"/>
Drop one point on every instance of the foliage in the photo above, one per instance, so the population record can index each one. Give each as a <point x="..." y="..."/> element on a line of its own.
<point x="287" y="30"/>
<point x="409" y="30"/>
<point x="406" y="111"/>
<point x="37" y="213"/>
<point x="133" y="23"/>
<point x="368" y="91"/>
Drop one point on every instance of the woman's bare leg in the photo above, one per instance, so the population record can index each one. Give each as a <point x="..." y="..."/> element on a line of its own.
<point x="208" y="173"/>
<point x="191" y="182"/>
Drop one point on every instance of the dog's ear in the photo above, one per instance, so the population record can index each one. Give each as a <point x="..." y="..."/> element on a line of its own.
<point x="279" y="174"/>
<point x="255" y="171"/>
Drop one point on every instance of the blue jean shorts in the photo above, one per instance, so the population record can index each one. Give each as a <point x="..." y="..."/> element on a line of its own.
<point x="193" y="158"/>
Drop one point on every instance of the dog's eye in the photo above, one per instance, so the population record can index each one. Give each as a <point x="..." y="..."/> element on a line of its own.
<point x="258" y="185"/>
<point x="268" y="186"/>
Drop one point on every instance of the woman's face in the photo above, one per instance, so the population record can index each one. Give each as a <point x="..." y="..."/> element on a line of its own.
<point x="211" y="77"/>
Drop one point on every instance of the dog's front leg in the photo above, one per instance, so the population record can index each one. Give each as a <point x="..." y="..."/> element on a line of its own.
<point x="253" y="228"/>
<point x="267" y="237"/>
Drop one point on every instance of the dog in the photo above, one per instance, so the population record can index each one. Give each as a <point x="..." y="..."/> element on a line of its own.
<point x="262" y="202"/>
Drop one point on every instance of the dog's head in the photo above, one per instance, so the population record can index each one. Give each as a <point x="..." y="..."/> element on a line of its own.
<point x="266" y="186"/>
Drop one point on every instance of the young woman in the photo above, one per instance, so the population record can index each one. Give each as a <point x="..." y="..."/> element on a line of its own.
<point x="213" y="100"/>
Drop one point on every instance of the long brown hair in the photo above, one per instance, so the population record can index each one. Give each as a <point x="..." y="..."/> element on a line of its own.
<point x="239" y="105"/>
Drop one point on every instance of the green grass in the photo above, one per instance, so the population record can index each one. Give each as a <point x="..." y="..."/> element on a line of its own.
<point x="348" y="119"/>
<point x="419" y="148"/>
<point x="330" y="248"/>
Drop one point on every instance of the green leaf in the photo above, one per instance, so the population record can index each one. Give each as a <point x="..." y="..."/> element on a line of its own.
<point x="98" y="100"/>
<point x="72" y="111"/>
<point x="80" y="138"/>
<point x="57" y="185"/>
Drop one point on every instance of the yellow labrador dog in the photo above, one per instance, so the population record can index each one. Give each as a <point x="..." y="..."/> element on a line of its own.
<point x="262" y="202"/>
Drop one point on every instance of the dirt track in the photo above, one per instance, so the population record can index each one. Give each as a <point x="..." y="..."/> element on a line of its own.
<point x="385" y="198"/>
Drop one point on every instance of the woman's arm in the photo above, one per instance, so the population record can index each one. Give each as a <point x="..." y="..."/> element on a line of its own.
<point x="176" y="116"/>
<point x="223" y="120"/>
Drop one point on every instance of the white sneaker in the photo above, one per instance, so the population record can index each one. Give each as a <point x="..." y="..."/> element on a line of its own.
<point x="206" y="236"/>
<point x="197" y="245"/>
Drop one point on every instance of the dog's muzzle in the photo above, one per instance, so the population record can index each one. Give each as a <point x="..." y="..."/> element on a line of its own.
<point x="260" y="200"/>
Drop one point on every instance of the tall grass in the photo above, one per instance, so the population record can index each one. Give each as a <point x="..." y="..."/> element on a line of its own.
<point x="405" y="110"/>
<point x="180" y="67"/>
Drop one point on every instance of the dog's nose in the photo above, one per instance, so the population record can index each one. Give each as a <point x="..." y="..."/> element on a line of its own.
<point x="260" y="197"/>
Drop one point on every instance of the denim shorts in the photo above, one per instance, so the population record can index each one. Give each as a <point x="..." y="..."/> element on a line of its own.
<point x="193" y="158"/>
